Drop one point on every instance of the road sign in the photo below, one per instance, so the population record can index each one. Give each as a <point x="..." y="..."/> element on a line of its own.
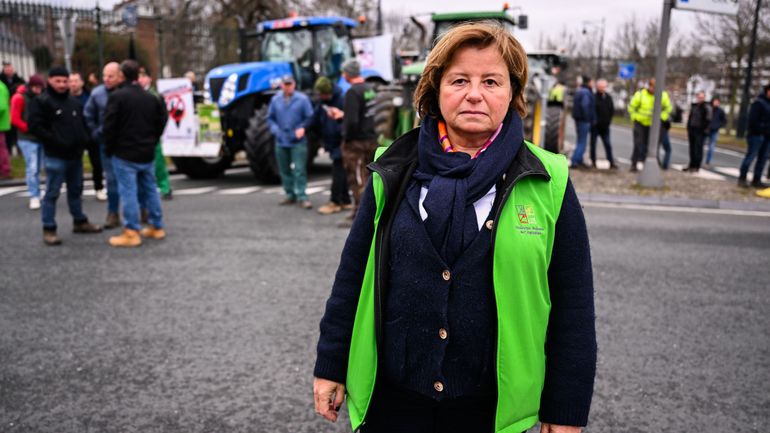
<point x="130" y="16"/>
<point x="626" y="71"/>
<point x="728" y="7"/>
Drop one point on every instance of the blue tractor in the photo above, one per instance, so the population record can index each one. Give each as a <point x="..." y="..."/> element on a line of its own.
<point x="305" y="47"/>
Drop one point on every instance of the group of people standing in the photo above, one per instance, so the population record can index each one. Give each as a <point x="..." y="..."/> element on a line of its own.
<point x="346" y="127"/>
<point x="593" y="113"/>
<point x="120" y="123"/>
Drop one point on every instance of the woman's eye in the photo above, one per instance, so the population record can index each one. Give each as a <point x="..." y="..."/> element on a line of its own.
<point x="460" y="81"/>
<point x="490" y="82"/>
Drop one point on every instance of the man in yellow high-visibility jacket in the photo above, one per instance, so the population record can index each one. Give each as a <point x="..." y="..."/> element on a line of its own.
<point x="640" y="108"/>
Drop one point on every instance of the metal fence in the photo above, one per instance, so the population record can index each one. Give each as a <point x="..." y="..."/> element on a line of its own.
<point x="32" y="39"/>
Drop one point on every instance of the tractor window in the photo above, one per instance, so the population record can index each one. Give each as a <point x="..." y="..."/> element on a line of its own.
<point x="289" y="46"/>
<point x="331" y="51"/>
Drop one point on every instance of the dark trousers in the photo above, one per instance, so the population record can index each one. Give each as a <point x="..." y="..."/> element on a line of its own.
<point x="97" y="171"/>
<point x="604" y="134"/>
<point x="356" y="155"/>
<point x="339" y="194"/>
<point x="695" y="137"/>
<point x="11" y="139"/>
<point x="398" y="410"/>
<point x="641" y="139"/>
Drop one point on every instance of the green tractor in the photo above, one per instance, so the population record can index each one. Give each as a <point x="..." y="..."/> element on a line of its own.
<point x="544" y="122"/>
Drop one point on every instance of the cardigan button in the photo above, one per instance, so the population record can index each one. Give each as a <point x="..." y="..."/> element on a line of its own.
<point x="489" y="224"/>
<point x="438" y="386"/>
<point x="442" y="334"/>
<point x="446" y="275"/>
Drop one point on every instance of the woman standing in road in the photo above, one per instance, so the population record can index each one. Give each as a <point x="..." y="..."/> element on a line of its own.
<point x="464" y="297"/>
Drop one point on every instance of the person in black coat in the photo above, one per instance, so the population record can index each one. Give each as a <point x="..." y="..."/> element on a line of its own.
<point x="325" y="121"/>
<point x="56" y="119"/>
<point x="697" y="127"/>
<point x="133" y="124"/>
<point x="758" y="139"/>
<point x="604" y="111"/>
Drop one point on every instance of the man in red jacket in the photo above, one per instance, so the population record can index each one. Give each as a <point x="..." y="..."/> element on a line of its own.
<point x="28" y="143"/>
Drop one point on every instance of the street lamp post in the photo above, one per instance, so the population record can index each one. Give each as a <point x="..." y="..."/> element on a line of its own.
<point x="600" y="26"/>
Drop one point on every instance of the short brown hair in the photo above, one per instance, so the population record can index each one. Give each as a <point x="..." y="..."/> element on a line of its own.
<point x="480" y="35"/>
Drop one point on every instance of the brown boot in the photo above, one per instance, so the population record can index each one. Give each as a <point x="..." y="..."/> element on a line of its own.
<point x="112" y="221"/>
<point x="129" y="238"/>
<point x="329" y="208"/>
<point x="151" y="232"/>
<point x="86" y="228"/>
<point x="50" y="238"/>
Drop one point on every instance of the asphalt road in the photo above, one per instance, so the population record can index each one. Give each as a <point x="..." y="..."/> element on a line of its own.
<point x="213" y="330"/>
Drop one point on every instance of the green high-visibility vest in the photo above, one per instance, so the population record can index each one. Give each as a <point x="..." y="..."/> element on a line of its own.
<point x="523" y="241"/>
<point x="557" y="93"/>
<point x="642" y="103"/>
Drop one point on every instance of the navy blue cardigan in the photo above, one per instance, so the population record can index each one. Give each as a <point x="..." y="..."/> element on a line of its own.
<point x="571" y="342"/>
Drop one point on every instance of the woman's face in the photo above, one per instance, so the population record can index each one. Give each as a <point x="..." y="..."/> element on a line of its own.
<point x="475" y="91"/>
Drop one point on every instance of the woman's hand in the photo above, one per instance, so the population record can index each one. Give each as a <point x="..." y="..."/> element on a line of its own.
<point x="553" y="428"/>
<point x="328" y="398"/>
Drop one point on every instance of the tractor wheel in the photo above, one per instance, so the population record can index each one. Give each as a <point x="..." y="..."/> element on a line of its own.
<point x="389" y="99"/>
<point x="203" y="168"/>
<point x="260" y="147"/>
<point x="552" y="129"/>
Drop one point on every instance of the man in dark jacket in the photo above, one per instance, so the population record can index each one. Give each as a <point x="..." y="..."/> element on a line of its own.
<point x="56" y="119"/>
<point x="358" y="133"/>
<point x="604" y="111"/>
<point x="718" y="121"/>
<point x="758" y="139"/>
<point x="697" y="126"/>
<point x="133" y="124"/>
<point x="325" y="121"/>
<point x="584" y="113"/>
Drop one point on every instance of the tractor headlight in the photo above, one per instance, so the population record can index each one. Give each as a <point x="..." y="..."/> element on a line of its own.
<point x="206" y="92"/>
<point x="228" y="90"/>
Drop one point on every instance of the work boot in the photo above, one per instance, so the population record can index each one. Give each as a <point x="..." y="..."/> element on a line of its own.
<point x="743" y="183"/>
<point x="112" y="221"/>
<point x="757" y="183"/>
<point x="129" y="238"/>
<point x="50" y="238"/>
<point x="86" y="228"/>
<point x="306" y="204"/>
<point x="152" y="232"/>
<point x="329" y="208"/>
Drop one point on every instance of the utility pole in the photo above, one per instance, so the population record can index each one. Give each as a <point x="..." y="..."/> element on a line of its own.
<point x="99" y="41"/>
<point x="650" y="176"/>
<point x="742" y="117"/>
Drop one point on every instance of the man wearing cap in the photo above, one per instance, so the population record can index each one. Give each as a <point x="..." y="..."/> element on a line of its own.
<point x="288" y="114"/>
<point x="28" y="143"/>
<point x="325" y="121"/>
<point x="359" y="135"/>
<point x="56" y="119"/>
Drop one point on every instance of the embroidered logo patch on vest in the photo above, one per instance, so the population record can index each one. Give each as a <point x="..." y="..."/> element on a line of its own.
<point x="527" y="220"/>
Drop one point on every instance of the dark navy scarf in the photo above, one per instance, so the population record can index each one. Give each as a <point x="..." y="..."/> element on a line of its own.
<point x="455" y="181"/>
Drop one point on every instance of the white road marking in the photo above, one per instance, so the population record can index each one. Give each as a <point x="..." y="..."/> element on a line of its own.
<point x="314" y="190"/>
<point x="677" y="209"/>
<point x="239" y="191"/>
<point x="12" y="189"/>
<point x="195" y="191"/>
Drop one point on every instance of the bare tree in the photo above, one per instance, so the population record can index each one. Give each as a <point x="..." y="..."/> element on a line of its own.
<point x="730" y="36"/>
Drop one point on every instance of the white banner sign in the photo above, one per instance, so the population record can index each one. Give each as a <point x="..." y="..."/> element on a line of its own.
<point x="376" y="53"/>
<point x="728" y="7"/>
<point x="180" y="138"/>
